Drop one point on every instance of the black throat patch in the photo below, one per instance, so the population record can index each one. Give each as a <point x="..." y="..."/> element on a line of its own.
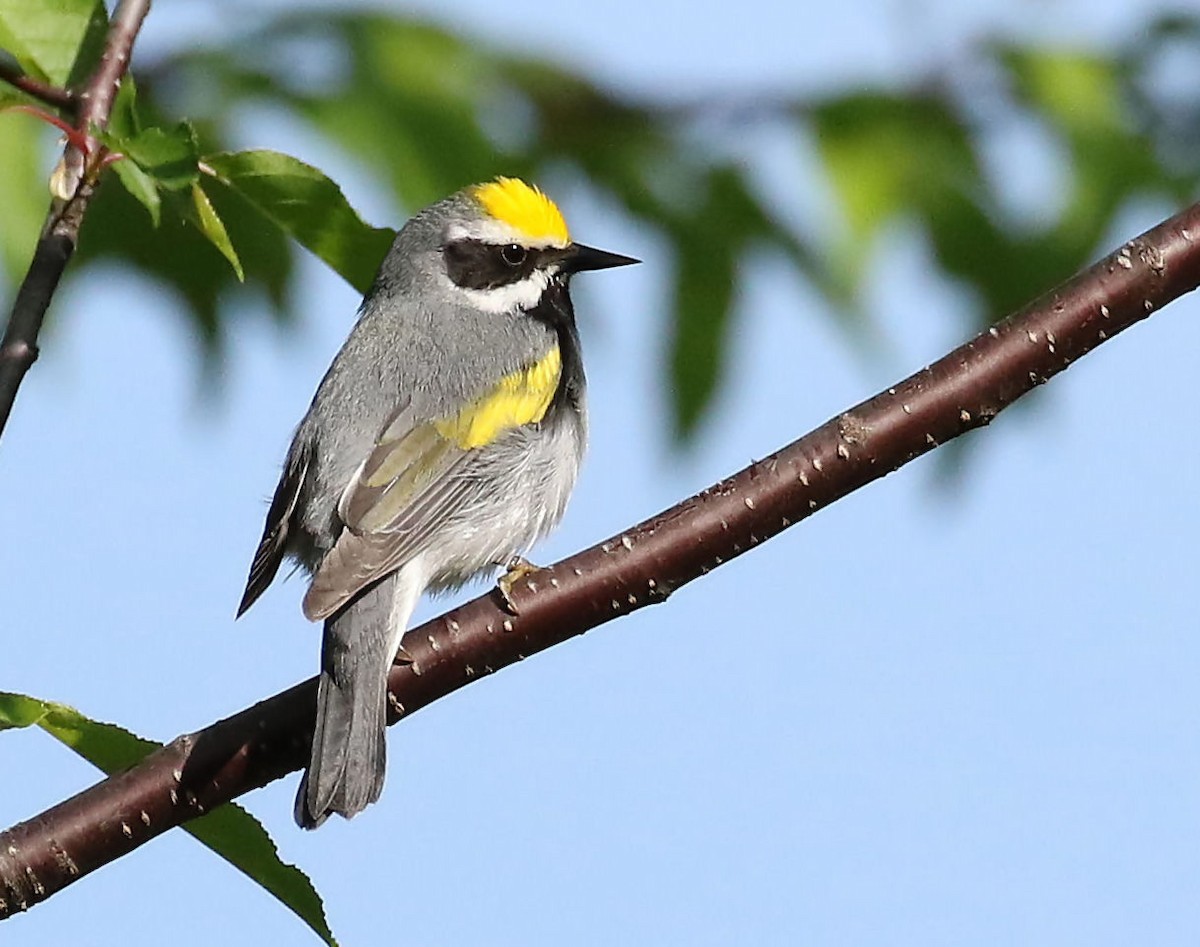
<point x="554" y="309"/>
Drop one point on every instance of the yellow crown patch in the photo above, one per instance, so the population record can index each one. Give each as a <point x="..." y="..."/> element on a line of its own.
<point x="523" y="207"/>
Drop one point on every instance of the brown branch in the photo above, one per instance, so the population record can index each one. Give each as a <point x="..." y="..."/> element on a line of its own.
<point x="96" y="99"/>
<point x="73" y="183"/>
<point x="962" y="391"/>
<point x="52" y="95"/>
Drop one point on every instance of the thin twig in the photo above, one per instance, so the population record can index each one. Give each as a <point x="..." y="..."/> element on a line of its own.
<point x="96" y="99"/>
<point x="52" y="95"/>
<point x="642" y="566"/>
<point x="75" y="181"/>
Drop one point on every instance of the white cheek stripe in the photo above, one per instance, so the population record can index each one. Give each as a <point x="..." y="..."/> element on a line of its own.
<point x="506" y="299"/>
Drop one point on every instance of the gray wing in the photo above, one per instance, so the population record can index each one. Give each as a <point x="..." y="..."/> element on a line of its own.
<point x="273" y="545"/>
<point x="411" y="482"/>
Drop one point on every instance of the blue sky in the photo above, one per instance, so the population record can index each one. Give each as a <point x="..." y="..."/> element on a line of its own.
<point x="929" y="715"/>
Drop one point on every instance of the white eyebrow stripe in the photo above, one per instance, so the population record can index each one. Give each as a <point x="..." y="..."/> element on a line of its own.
<point x="491" y="230"/>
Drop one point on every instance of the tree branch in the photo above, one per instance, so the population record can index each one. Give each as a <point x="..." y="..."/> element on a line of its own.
<point x="74" y="182"/>
<point x="52" y="95"/>
<point x="960" y="392"/>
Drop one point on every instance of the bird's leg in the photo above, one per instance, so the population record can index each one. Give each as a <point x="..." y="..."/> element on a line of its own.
<point x="515" y="569"/>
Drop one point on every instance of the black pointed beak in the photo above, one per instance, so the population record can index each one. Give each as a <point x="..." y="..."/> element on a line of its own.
<point x="580" y="258"/>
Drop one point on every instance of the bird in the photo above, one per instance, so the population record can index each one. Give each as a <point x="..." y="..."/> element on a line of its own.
<point x="443" y="441"/>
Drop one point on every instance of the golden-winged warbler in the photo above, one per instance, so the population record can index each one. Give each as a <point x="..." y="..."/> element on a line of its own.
<point x="443" y="440"/>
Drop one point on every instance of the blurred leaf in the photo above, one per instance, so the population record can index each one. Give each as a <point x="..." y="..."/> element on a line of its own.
<point x="90" y="46"/>
<point x="1085" y="100"/>
<point x="627" y="150"/>
<point x="712" y="242"/>
<point x="57" y="41"/>
<point x="408" y="102"/>
<point x="11" y="98"/>
<point x="309" y="207"/>
<point x="892" y="155"/>
<point x="425" y="85"/>
<point x="229" y="831"/>
<point x="24" y="195"/>
<point x="709" y="243"/>
<point x="703" y="297"/>
<point x="115" y="229"/>
<point x="1076" y="90"/>
<point x="209" y="222"/>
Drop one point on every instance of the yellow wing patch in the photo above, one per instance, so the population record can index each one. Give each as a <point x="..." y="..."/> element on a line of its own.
<point x="523" y="207"/>
<point x="520" y="398"/>
<point x="417" y="451"/>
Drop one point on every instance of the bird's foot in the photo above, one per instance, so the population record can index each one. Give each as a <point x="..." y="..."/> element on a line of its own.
<point x="516" y="569"/>
<point x="403" y="657"/>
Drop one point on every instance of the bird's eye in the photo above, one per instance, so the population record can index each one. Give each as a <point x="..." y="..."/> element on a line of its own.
<point x="514" y="254"/>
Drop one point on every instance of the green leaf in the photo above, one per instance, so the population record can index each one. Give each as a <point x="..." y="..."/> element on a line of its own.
<point x="228" y="830"/>
<point x="309" y="206"/>
<point x="90" y="46"/>
<point x="163" y="159"/>
<point x="241" y="840"/>
<point x="11" y="97"/>
<point x="206" y="218"/>
<point x="124" y="127"/>
<point x="57" y="41"/>
<point x="24" y="196"/>
<point x="104" y="745"/>
<point x="124" y="122"/>
<point x="138" y="183"/>
<point x="169" y="156"/>
<point x="17" y="710"/>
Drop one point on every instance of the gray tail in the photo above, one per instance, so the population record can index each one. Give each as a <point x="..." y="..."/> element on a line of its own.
<point x="349" y="751"/>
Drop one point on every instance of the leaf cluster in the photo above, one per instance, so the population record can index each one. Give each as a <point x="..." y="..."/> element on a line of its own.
<point x="428" y="111"/>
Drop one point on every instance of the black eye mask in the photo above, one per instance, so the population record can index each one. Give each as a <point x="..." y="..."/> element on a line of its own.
<point x="473" y="264"/>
